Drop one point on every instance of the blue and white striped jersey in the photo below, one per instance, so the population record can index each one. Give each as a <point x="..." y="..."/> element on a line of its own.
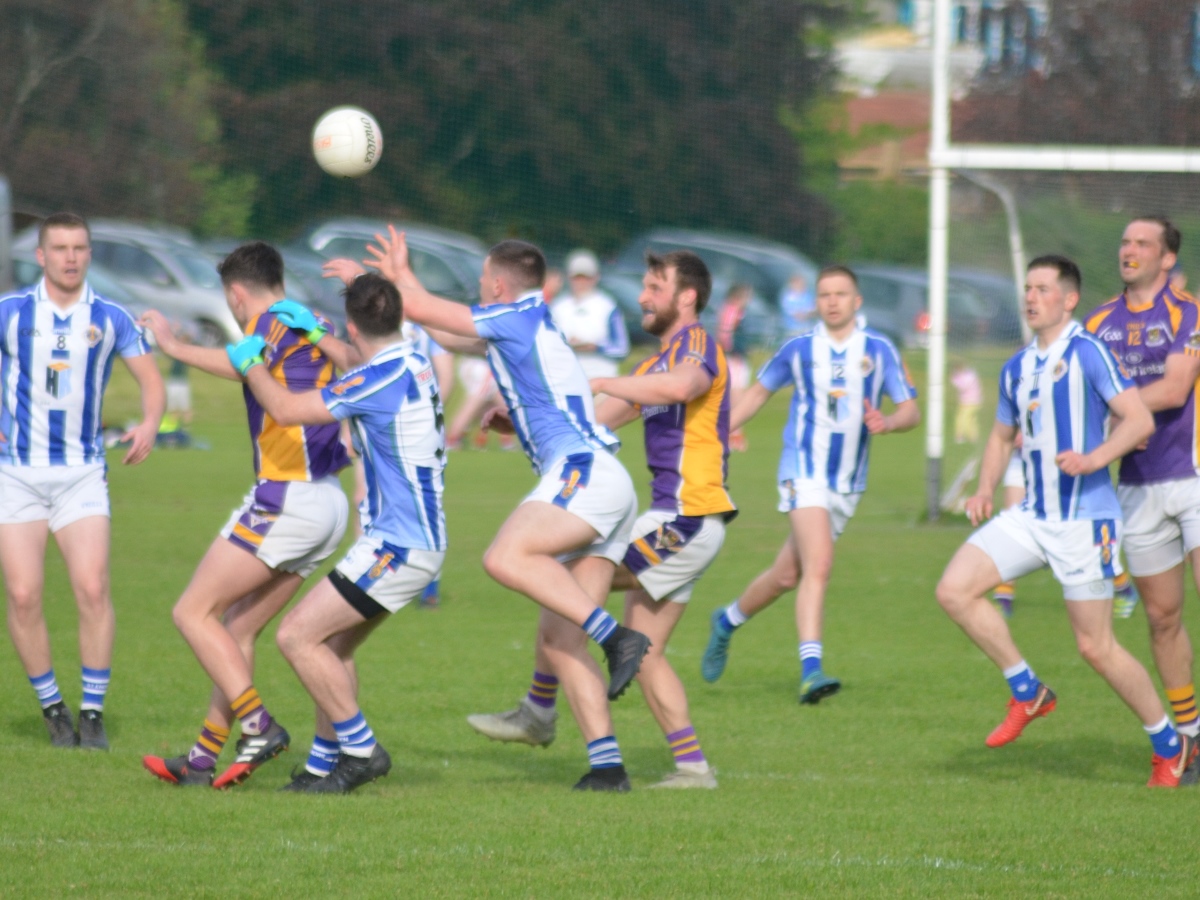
<point x="541" y="381"/>
<point x="396" y="424"/>
<point x="54" y="367"/>
<point x="1058" y="397"/>
<point x="825" y="438"/>
<point x="423" y="344"/>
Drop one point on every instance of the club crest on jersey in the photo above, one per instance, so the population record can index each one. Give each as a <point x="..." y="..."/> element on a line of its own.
<point x="94" y="334"/>
<point x="383" y="559"/>
<point x="1156" y="336"/>
<point x="1193" y="341"/>
<point x="342" y="386"/>
<point x="868" y="366"/>
<point x="58" y="380"/>
<point x="668" y="538"/>
<point x="1060" y="369"/>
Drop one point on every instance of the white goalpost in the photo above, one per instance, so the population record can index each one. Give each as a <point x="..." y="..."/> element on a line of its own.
<point x="946" y="158"/>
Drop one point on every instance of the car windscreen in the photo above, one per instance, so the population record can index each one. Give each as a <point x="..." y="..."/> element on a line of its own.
<point x="200" y="268"/>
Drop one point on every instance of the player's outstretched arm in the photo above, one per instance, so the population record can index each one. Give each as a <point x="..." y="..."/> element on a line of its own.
<point x="681" y="384"/>
<point x="1178" y="381"/>
<point x="615" y="413"/>
<point x="207" y="359"/>
<point x="389" y="255"/>
<point x="905" y="417"/>
<point x="747" y="408"/>
<point x="142" y="436"/>
<point x="282" y="405"/>
<point x="299" y="317"/>
<point x="1133" y="424"/>
<point x="995" y="460"/>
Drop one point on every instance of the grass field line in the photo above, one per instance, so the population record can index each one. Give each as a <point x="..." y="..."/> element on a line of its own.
<point x="546" y="854"/>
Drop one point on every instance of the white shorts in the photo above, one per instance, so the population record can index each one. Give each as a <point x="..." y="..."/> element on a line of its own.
<point x="380" y="577"/>
<point x="670" y="552"/>
<point x="807" y="493"/>
<point x="1082" y="554"/>
<point x="1162" y="524"/>
<point x="596" y="488"/>
<point x="179" y="396"/>
<point x="292" y="526"/>
<point x="1014" y="475"/>
<point x="59" y="495"/>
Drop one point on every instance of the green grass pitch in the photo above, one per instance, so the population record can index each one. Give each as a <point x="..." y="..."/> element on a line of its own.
<point x="883" y="791"/>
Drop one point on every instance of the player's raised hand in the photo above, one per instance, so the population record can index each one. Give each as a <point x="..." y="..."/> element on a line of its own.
<point x="390" y="258"/>
<point x="141" y="440"/>
<point x="875" y="421"/>
<point x="156" y="323"/>
<point x="299" y="317"/>
<point x="345" y="269"/>
<point x="247" y="353"/>
<point x="1075" y="464"/>
<point x="497" y="419"/>
<point x="978" y="508"/>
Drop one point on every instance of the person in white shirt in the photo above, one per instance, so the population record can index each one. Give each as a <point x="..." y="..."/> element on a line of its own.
<point x="590" y="319"/>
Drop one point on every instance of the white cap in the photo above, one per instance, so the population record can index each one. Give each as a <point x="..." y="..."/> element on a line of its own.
<point x="583" y="262"/>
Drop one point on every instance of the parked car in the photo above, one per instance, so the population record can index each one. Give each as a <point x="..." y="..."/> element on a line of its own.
<point x="164" y="270"/>
<point x="448" y="263"/>
<point x="896" y="302"/>
<point x="1003" y="301"/>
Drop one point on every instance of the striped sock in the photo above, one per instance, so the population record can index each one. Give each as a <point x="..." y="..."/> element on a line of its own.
<point x="600" y="625"/>
<point x="1006" y="591"/>
<point x="46" y="687"/>
<point x="603" y="753"/>
<point x="95" y="686"/>
<point x="1164" y="738"/>
<point x="1183" y="705"/>
<point x="1121" y="582"/>
<point x="321" y="757"/>
<point x="251" y="713"/>
<point x="1022" y="681"/>
<point x="355" y="737"/>
<point x="685" y="746"/>
<point x="810" y="658"/>
<point x="208" y="746"/>
<point x="731" y="618"/>
<point x="543" y="692"/>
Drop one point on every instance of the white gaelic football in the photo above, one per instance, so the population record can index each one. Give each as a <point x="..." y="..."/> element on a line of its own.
<point x="347" y="142"/>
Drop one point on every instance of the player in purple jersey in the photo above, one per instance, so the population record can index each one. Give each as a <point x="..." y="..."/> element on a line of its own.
<point x="681" y="394"/>
<point x="58" y="341"/>
<point x="290" y="521"/>
<point x="1154" y="331"/>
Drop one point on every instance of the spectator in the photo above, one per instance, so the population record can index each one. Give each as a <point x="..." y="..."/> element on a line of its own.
<point x="733" y="340"/>
<point x="590" y="319"/>
<point x="799" y="305"/>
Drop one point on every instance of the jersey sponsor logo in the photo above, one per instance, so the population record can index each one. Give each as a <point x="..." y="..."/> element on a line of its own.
<point x="1156" y="336"/>
<point x="342" y="386"/>
<point x="383" y="559"/>
<point x="425" y="375"/>
<point x="1112" y="334"/>
<point x="649" y="412"/>
<point x="58" y="380"/>
<point x="1060" y="369"/>
<point x="94" y="334"/>
<point x="1133" y="358"/>
<point x="1033" y="419"/>
<point x="839" y="405"/>
<point x="30" y="332"/>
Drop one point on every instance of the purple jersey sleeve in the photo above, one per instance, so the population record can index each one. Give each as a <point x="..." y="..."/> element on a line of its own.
<point x="1187" y="335"/>
<point x="693" y="345"/>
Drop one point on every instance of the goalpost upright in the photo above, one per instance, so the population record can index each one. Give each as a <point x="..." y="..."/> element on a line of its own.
<point x="945" y="157"/>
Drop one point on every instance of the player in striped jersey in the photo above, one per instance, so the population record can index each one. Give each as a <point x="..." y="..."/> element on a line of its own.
<point x="290" y="521"/>
<point x="1059" y="392"/>
<point x="395" y="414"/>
<point x="1155" y="332"/>
<point x="839" y="373"/>
<point x="558" y="547"/>
<point x="682" y="395"/>
<point x="58" y="341"/>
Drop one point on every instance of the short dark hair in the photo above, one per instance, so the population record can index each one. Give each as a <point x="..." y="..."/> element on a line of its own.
<point x="521" y="261"/>
<point x="1068" y="271"/>
<point x="1172" y="237"/>
<point x="256" y="265"/>
<point x="690" y="272"/>
<point x="838" y="269"/>
<point x="373" y="304"/>
<point x="62" y="220"/>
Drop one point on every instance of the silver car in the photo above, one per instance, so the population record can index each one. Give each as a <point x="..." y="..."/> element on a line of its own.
<point x="165" y="270"/>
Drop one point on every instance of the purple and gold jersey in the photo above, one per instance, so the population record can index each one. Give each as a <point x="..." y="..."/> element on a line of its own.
<point x="687" y="444"/>
<point x="292" y="452"/>
<point x="1142" y="338"/>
